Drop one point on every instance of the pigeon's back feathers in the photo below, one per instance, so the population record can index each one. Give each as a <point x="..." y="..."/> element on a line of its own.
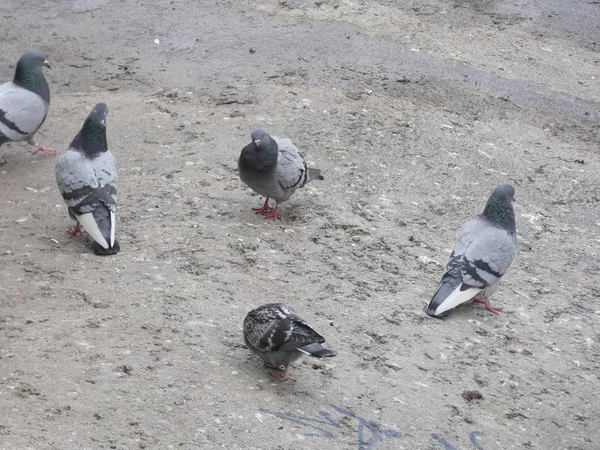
<point x="292" y="172"/>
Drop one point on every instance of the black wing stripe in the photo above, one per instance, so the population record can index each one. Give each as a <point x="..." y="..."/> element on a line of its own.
<point x="10" y="124"/>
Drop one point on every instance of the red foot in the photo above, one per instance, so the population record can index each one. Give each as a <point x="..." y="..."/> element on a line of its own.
<point x="46" y="150"/>
<point x="271" y="215"/>
<point x="284" y="376"/>
<point x="487" y="305"/>
<point x="262" y="210"/>
<point x="76" y="230"/>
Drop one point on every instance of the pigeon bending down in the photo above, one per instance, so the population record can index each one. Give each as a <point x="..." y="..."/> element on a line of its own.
<point x="484" y="250"/>
<point x="24" y="101"/>
<point x="276" y="334"/>
<point x="273" y="168"/>
<point x="87" y="179"/>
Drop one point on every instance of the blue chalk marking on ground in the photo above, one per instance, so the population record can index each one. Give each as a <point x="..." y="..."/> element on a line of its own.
<point x="302" y="421"/>
<point x="366" y="428"/>
<point x="473" y="438"/>
<point x="442" y="440"/>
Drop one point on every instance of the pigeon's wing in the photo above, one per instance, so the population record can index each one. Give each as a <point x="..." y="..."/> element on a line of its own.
<point x="291" y="172"/>
<point x="452" y="276"/>
<point x="22" y="112"/>
<point x="488" y="258"/>
<point x="86" y="183"/>
<point x="287" y="335"/>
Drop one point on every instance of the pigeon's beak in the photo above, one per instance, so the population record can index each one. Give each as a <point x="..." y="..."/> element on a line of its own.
<point x="46" y="63"/>
<point x="257" y="142"/>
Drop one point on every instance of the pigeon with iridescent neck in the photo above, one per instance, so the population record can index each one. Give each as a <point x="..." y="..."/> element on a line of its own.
<point x="279" y="337"/>
<point x="484" y="250"/>
<point x="86" y="175"/>
<point x="273" y="168"/>
<point x="24" y="101"/>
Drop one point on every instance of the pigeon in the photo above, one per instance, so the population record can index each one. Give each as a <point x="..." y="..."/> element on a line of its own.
<point x="484" y="250"/>
<point x="273" y="168"/>
<point x="86" y="175"/>
<point x="276" y="334"/>
<point x="24" y="101"/>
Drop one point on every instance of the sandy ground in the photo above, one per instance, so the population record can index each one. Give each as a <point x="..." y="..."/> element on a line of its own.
<point x="414" y="111"/>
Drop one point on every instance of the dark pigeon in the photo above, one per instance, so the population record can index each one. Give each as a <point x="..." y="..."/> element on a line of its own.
<point x="279" y="337"/>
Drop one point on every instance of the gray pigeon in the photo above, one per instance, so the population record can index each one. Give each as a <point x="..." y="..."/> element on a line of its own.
<point x="87" y="179"/>
<point x="276" y="334"/>
<point x="24" y="101"/>
<point x="484" y="250"/>
<point x="273" y="168"/>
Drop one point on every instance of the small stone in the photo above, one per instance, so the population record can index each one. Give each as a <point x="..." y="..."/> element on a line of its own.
<point x="472" y="395"/>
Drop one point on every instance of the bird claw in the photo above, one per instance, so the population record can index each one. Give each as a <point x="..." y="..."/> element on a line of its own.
<point x="75" y="230"/>
<point x="284" y="376"/>
<point x="493" y="309"/>
<point x="271" y="214"/>
<point x="264" y="209"/>
<point x="487" y="305"/>
<point x="46" y="150"/>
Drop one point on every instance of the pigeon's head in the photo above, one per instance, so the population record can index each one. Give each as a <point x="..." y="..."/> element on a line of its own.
<point x="33" y="59"/>
<point x="261" y="139"/>
<point x="505" y="191"/>
<point x="499" y="208"/>
<point x="91" y="139"/>
<point x="99" y="113"/>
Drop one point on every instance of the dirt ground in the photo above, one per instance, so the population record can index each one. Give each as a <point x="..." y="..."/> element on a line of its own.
<point x="414" y="111"/>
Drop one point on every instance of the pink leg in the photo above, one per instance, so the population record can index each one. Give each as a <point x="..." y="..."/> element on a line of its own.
<point x="274" y="366"/>
<point x="263" y="209"/>
<point x="271" y="215"/>
<point x="46" y="150"/>
<point x="487" y="305"/>
<point x="76" y="230"/>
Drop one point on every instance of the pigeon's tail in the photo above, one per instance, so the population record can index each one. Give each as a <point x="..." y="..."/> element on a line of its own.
<point x="314" y="174"/>
<point x="105" y="219"/>
<point x="448" y="296"/>
<point x="99" y="250"/>
<point x="317" y="350"/>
